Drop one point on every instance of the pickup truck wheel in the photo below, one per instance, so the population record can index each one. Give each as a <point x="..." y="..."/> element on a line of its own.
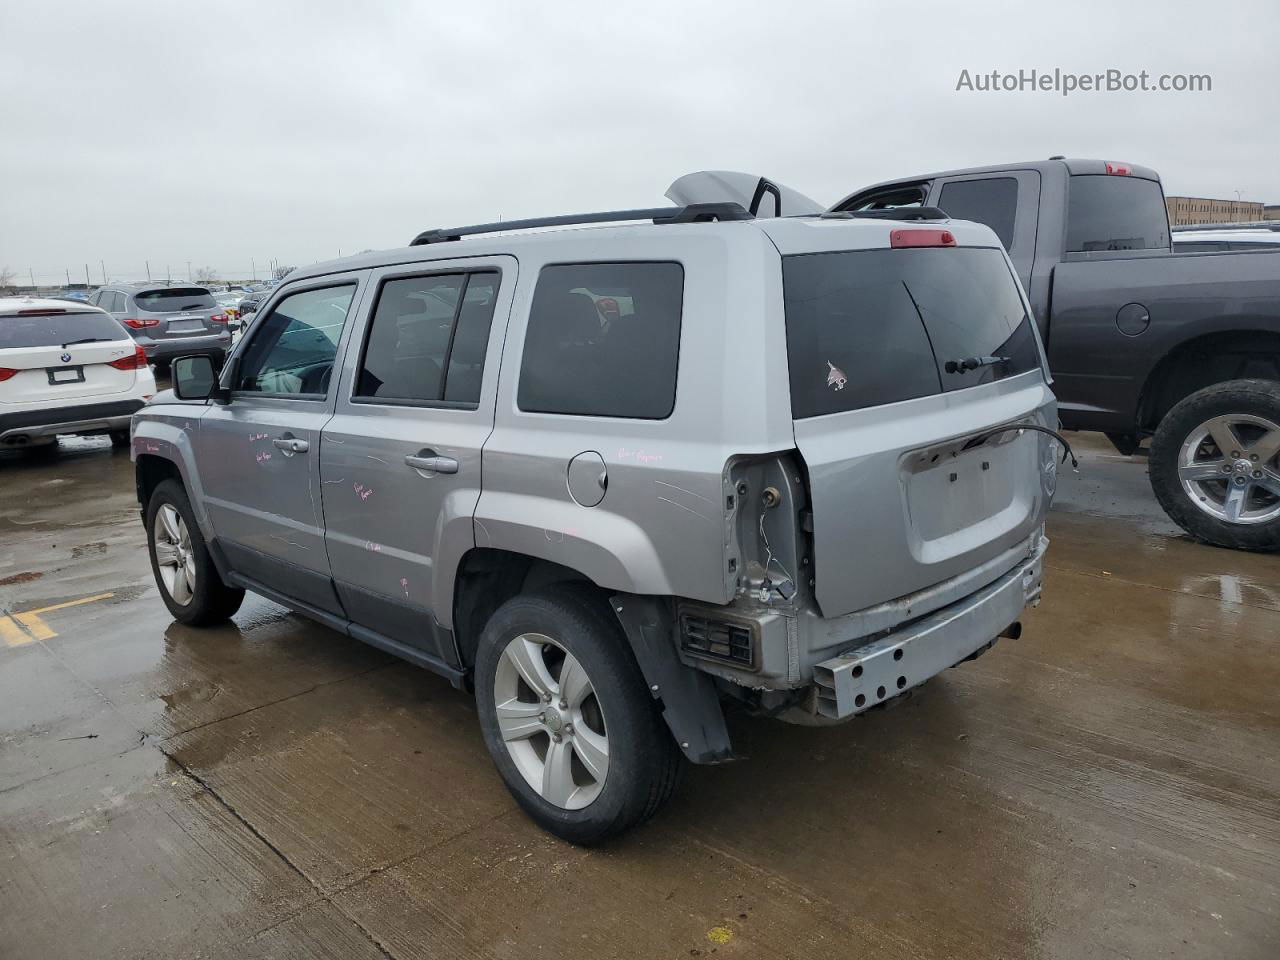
<point x="568" y="719"/>
<point x="1214" y="464"/>
<point x="188" y="581"/>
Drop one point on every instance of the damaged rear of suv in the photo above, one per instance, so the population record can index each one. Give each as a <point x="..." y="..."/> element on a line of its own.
<point x="610" y="478"/>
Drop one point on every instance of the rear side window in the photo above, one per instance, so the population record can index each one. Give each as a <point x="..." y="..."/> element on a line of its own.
<point x="993" y="201"/>
<point x="175" y="299"/>
<point x="603" y="340"/>
<point x="1115" y="213"/>
<point x="428" y="339"/>
<point x="871" y="327"/>
<point x="56" y="329"/>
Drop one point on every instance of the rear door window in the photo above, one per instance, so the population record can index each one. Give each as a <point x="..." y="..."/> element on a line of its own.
<point x="175" y="300"/>
<point x="56" y="329"/>
<point x="1115" y="213"/>
<point x="428" y="338"/>
<point x="991" y="200"/>
<point x="871" y="327"/>
<point x="603" y="340"/>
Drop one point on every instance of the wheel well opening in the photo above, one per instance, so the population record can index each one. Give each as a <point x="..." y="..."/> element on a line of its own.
<point x="1199" y="363"/>
<point x="488" y="578"/>
<point x="149" y="472"/>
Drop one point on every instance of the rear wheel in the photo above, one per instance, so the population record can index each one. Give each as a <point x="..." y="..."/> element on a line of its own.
<point x="1215" y="464"/>
<point x="568" y="719"/>
<point x="120" y="438"/>
<point x="188" y="581"/>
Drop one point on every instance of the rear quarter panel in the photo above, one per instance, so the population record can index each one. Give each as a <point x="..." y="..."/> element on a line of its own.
<point x="1099" y="371"/>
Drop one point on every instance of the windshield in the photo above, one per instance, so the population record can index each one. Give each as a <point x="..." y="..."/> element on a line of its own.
<point x="175" y="299"/>
<point x="871" y="327"/>
<point x="60" y="328"/>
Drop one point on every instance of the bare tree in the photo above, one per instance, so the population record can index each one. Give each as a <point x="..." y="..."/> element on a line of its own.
<point x="206" y="275"/>
<point x="6" y="278"/>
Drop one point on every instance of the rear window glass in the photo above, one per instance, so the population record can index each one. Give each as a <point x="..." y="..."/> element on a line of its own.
<point x="1115" y="213"/>
<point x="992" y="201"/>
<point x="603" y="340"/>
<point x="870" y="327"/>
<point x="53" y="331"/>
<point x="175" y="299"/>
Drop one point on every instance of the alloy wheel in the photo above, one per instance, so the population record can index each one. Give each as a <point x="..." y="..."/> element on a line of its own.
<point x="551" y="721"/>
<point x="174" y="557"/>
<point x="1228" y="468"/>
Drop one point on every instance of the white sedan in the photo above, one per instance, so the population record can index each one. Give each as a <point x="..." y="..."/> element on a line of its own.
<point x="67" y="368"/>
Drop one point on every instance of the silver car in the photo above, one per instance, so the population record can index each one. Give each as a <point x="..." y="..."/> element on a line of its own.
<point x="612" y="478"/>
<point x="168" y="321"/>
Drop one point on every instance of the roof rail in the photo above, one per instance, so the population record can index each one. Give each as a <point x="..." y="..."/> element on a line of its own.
<point x="894" y="213"/>
<point x="692" y="213"/>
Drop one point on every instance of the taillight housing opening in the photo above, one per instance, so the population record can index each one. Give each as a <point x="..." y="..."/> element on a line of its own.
<point x="138" y="324"/>
<point x="134" y="361"/>
<point x="1118" y="169"/>
<point x="922" y="238"/>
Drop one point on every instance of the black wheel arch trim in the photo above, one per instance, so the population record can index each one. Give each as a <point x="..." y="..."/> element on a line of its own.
<point x="690" y="704"/>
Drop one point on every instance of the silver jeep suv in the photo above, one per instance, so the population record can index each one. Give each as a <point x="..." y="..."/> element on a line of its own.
<point x="612" y="478"/>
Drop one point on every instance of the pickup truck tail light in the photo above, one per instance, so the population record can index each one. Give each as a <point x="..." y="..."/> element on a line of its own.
<point x="6" y="373"/>
<point x="139" y="324"/>
<point x="922" y="238"/>
<point x="1118" y="169"/>
<point x="135" y="361"/>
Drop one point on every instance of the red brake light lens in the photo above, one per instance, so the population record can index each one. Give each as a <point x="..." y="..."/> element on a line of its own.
<point x="135" y="361"/>
<point x="139" y="324"/>
<point x="6" y="373"/>
<point x="42" y="312"/>
<point x="218" y="318"/>
<point x="922" y="238"/>
<point x="1118" y="169"/>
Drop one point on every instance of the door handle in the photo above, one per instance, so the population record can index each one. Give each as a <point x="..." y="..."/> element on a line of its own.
<point x="291" y="445"/>
<point x="433" y="463"/>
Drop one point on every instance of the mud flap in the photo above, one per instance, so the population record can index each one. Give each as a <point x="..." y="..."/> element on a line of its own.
<point x="690" y="704"/>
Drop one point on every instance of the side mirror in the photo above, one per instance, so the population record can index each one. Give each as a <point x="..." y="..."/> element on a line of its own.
<point x="194" y="378"/>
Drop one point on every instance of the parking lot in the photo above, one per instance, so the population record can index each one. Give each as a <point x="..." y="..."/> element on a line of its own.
<point x="1106" y="785"/>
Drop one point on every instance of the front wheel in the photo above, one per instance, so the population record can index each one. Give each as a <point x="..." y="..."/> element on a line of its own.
<point x="188" y="581"/>
<point x="568" y="719"/>
<point x="1214" y="464"/>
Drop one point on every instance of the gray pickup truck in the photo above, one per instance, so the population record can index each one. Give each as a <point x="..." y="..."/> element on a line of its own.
<point x="1142" y="342"/>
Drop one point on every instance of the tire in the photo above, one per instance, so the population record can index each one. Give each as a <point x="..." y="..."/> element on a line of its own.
<point x="119" y="438"/>
<point x="1240" y="509"/>
<point x="642" y="762"/>
<point x="210" y="600"/>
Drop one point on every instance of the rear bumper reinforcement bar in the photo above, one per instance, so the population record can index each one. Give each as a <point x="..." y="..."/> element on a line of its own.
<point x="865" y="676"/>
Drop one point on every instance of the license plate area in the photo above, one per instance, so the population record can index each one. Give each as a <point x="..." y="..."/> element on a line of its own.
<point x="61" y="375"/>
<point x="964" y="492"/>
<point x="185" y="326"/>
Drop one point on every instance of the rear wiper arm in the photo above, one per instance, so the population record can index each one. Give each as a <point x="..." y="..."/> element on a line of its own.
<point x="972" y="363"/>
<point x="72" y="343"/>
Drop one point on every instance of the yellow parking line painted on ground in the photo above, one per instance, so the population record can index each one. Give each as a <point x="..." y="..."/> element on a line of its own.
<point x="17" y="629"/>
<point x="11" y="632"/>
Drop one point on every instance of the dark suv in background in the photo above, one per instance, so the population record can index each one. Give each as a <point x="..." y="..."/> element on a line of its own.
<point x="168" y="321"/>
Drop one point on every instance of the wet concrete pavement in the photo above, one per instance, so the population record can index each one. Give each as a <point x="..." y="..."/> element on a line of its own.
<point x="1108" y="785"/>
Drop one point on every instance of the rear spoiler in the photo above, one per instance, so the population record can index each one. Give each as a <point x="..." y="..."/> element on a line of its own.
<point x="758" y="195"/>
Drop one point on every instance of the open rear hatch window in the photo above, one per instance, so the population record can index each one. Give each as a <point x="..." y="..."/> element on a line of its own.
<point x="871" y="327"/>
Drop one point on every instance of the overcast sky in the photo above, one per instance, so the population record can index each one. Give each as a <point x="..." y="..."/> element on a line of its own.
<point x="218" y="133"/>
